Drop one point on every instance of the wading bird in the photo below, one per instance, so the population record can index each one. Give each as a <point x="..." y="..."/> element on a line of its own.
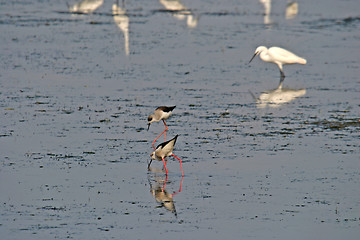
<point x="161" y="113"/>
<point x="85" y="6"/>
<point x="279" y="56"/>
<point x="164" y="150"/>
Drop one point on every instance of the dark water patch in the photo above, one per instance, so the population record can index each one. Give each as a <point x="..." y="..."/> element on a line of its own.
<point x="291" y="211"/>
<point x="88" y="152"/>
<point x="93" y="22"/>
<point x="224" y="133"/>
<point x="74" y="158"/>
<point x="35" y="155"/>
<point x="52" y="208"/>
<point x="29" y="21"/>
<point x="224" y="13"/>
<point x="105" y="120"/>
<point x="182" y="12"/>
<point x="6" y="134"/>
<point x="47" y="199"/>
<point x="337" y="125"/>
<point x="340" y="24"/>
<point x="138" y="140"/>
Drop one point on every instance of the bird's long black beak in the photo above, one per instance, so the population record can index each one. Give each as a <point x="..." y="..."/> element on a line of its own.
<point x="252" y="58"/>
<point x="254" y="97"/>
<point x="148" y="126"/>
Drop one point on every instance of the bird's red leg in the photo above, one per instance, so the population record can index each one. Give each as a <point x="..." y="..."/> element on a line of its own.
<point x="165" y="165"/>
<point x="163" y="189"/>
<point x="157" y="138"/>
<point x="182" y="173"/>
<point x="182" y="178"/>
<point x="166" y="128"/>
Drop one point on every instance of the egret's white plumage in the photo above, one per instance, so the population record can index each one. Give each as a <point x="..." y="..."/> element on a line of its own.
<point x="122" y="21"/>
<point x="86" y="6"/>
<point x="278" y="97"/>
<point x="292" y="10"/>
<point x="180" y="12"/>
<point x="279" y="56"/>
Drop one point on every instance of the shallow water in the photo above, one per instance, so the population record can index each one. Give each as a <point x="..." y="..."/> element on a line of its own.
<point x="75" y="96"/>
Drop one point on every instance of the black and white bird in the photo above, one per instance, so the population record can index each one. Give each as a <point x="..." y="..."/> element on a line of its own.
<point x="164" y="150"/>
<point x="161" y="113"/>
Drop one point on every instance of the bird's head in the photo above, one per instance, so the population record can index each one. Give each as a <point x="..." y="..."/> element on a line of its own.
<point x="150" y="120"/>
<point x="257" y="52"/>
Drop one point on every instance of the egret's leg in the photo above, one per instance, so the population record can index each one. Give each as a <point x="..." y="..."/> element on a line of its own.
<point x="282" y="77"/>
<point x="281" y="83"/>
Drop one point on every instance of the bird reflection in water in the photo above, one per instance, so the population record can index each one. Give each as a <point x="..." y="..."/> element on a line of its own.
<point x="85" y="6"/>
<point x="292" y="10"/>
<point x="277" y="97"/>
<point x="180" y="12"/>
<point x="157" y="189"/>
<point x="122" y="21"/>
<point x="267" y="7"/>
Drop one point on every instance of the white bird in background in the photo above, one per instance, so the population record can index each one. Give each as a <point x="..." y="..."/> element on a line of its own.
<point x="267" y="7"/>
<point x="180" y="12"/>
<point x="279" y="56"/>
<point x="292" y="10"/>
<point x="86" y="6"/>
<point x="122" y="21"/>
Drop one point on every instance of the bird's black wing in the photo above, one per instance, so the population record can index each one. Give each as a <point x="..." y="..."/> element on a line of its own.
<point x="166" y="109"/>
<point x="163" y="145"/>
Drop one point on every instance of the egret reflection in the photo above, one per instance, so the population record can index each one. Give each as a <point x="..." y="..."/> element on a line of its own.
<point x="159" y="192"/>
<point x="122" y="21"/>
<point x="292" y="10"/>
<point x="85" y="6"/>
<point x="278" y="96"/>
<point x="180" y="12"/>
<point x="267" y="7"/>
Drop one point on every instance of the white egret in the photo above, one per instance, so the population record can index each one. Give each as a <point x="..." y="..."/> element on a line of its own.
<point x="279" y="56"/>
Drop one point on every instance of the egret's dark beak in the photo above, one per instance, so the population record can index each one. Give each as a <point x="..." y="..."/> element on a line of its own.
<point x="148" y="126"/>
<point x="253" y="57"/>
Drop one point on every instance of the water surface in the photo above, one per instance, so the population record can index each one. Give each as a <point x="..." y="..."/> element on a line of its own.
<point x="76" y="90"/>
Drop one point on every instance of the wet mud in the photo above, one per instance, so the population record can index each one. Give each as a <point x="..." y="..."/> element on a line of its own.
<point x="259" y="161"/>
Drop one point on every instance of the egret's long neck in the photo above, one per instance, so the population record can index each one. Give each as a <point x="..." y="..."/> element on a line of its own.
<point x="265" y="56"/>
